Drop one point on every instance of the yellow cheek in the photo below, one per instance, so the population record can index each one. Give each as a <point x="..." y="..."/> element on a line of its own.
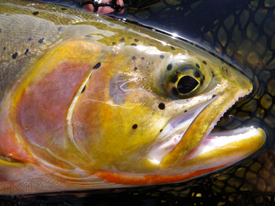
<point x="110" y="132"/>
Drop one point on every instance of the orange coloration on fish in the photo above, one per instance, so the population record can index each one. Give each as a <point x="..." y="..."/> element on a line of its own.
<point x="149" y="179"/>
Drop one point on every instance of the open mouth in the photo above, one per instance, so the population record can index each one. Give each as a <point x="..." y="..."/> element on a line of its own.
<point x="188" y="143"/>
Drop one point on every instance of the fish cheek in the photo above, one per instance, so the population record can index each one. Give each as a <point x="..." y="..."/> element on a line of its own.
<point x="109" y="129"/>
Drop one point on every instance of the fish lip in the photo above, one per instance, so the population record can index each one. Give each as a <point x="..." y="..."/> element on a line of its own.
<point x="224" y="148"/>
<point x="195" y="134"/>
<point x="213" y="140"/>
<point x="168" y="142"/>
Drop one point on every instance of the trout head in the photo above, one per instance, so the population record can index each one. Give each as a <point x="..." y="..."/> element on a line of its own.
<point x="127" y="106"/>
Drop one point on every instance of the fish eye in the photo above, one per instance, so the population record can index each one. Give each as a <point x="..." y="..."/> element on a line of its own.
<point x="186" y="84"/>
<point x="184" y="81"/>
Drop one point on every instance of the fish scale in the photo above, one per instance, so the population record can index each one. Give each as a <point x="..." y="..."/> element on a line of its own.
<point x="36" y="39"/>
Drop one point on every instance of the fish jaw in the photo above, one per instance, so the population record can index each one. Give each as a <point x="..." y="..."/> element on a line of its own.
<point x="199" y="129"/>
<point x="219" y="149"/>
<point x="215" y="153"/>
<point x="181" y="146"/>
<point x="225" y="148"/>
<point x="212" y="151"/>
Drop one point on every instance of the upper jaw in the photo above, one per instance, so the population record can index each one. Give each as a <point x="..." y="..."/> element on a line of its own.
<point x="173" y="132"/>
<point x="217" y="150"/>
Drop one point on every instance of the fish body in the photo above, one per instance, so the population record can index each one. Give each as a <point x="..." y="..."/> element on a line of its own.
<point x="90" y="102"/>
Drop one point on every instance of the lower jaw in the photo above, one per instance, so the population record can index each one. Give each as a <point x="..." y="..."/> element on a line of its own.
<point x="221" y="149"/>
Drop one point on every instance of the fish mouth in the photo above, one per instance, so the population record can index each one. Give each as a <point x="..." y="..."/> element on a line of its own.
<point x="188" y="143"/>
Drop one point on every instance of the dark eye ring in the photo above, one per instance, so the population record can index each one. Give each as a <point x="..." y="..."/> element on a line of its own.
<point x="183" y="81"/>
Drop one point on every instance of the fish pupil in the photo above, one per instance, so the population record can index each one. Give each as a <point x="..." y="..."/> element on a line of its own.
<point x="186" y="84"/>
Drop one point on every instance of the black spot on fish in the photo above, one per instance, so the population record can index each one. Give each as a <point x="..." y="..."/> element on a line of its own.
<point x="161" y="130"/>
<point x="83" y="90"/>
<point x="135" y="68"/>
<point x="122" y="39"/>
<point x="174" y="79"/>
<point x="173" y="48"/>
<point x="40" y="41"/>
<point x="161" y="106"/>
<point x="111" y="24"/>
<point x="0" y="30"/>
<point x="35" y="13"/>
<point x="60" y="28"/>
<point x="203" y="77"/>
<point x="113" y="43"/>
<point x="29" y="39"/>
<point x="196" y="74"/>
<point x="133" y="57"/>
<point x="169" y="67"/>
<point x="88" y="36"/>
<point x="197" y="65"/>
<point x="133" y="44"/>
<point x="175" y="91"/>
<point x="126" y="28"/>
<point x="185" y="110"/>
<point x="142" y="58"/>
<point x="204" y="62"/>
<point x="161" y="56"/>
<point x="97" y="65"/>
<point x="136" y="40"/>
<point x="14" y="55"/>
<point x="4" y="48"/>
<point x="134" y="126"/>
<point x="63" y="8"/>
<point x="201" y="81"/>
<point x="26" y="52"/>
<point x="213" y="74"/>
<point x="213" y="95"/>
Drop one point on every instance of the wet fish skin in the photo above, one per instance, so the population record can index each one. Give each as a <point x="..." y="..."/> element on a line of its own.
<point x="49" y="115"/>
<point x="237" y="179"/>
<point x="242" y="33"/>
